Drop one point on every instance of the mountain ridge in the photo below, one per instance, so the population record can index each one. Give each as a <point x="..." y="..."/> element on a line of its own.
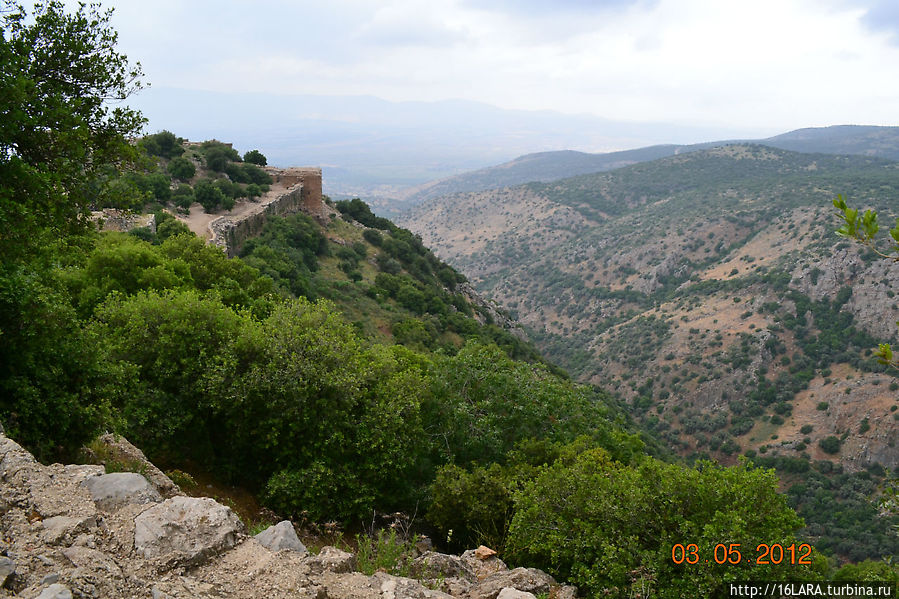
<point x="547" y="166"/>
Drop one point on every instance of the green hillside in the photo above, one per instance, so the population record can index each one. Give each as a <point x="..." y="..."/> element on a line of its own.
<point x="338" y="370"/>
<point x="709" y="292"/>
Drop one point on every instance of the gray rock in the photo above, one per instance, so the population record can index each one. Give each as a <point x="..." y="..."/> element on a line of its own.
<point x="510" y="593"/>
<point x="281" y="536"/>
<point x="530" y="580"/>
<point x="63" y="529"/>
<point x="440" y="565"/>
<point x="397" y="587"/>
<point x="332" y="559"/>
<point x="457" y="587"/>
<point x="483" y="566"/>
<point x="92" y="560"/>
<point x="186" y="530"/>
<point x="566" y="591"/>
<point x="55" y="591"/>
<point x="120" y="449"/>
<point x="112" y="491"/>
<point x="7" y="569"/>
<point x="50" y="578"/>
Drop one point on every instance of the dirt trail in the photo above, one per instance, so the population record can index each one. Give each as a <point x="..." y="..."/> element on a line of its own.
<point x="198" y="220"/>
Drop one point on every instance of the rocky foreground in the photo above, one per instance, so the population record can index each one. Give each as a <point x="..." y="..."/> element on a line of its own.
<point x="73" y="531"/>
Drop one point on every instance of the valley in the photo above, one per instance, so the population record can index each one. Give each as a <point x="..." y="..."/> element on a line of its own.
<point x="679" y="284"/>
<point x="577" y="363"/>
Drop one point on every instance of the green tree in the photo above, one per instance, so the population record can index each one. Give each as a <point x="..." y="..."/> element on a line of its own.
<point x="208" y="195"/>
<point x="182" y="168"/>
<point x="164" y="144"/>
<point x="255" y="157"/>
<point x="172" y="340"/>
<point x="483" y="403"/>
<point x="217" y="159"/>
<point x="61" y="146"/>
<point x="56" y="391"/>
<point x="830" y="444"/>
<point x="58" y="132"/>
<point x="610" y="528"/>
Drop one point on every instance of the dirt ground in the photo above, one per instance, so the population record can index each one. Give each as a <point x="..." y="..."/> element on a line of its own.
<point x="199" y="220"/>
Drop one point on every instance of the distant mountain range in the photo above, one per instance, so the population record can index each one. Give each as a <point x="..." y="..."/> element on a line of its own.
<point x="370" y="147"/>
<point x="547" y="166"/>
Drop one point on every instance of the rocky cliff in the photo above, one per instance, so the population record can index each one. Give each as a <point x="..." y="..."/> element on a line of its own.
<point x="74" y="531"/>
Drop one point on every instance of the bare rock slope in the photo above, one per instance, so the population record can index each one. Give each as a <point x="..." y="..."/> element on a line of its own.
<point x="74" y="531"/>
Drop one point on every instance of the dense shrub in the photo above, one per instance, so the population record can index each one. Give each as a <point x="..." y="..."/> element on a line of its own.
<point x="255" y="157"/>
<point x="602" y="525"/>
<point x="181" y="168"/>
<point x="830" y="444"/>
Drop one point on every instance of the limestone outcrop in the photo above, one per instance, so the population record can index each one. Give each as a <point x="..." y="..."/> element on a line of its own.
<point x="76" y="532"/>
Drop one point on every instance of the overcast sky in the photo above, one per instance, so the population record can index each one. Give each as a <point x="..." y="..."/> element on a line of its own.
<point x="769" y="65"/>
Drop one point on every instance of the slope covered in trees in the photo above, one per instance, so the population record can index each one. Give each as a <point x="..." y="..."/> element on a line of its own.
<point x="274" y="371"/>
<point x="708" y="291"/>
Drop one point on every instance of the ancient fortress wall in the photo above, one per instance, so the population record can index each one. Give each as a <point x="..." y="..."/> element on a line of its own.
<point x="304" y="194"/>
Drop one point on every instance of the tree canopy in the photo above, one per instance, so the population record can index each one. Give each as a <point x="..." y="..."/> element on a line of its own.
<point x="60" y="130"/>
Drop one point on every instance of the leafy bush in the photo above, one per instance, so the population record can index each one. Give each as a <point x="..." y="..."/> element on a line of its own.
<point x="183" y="196"/>
<point x="830" y="444"/>
<point x="208" y="195"/>
<point x="164" y="144"/>
<point x="471" y="508"/>
<point x="255" y="157"/>
<point x="58" y="391"/>
<point x="595" y="523"/>
<point x="373" y="237"/>
<point x="218" y="155"/>
<point x="181" y="168"/>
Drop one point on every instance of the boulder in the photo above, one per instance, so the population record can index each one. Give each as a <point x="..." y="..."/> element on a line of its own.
<point x="433" y="565"/>
<point x="55" y="591"/>
<point x="332" y="559"/>
<point x="186" y="530"/>
<point x="397" y="587"/>
<point x="281" y="536"/>
<point x="113" y="491"/>
<point x="530" y="580"/>
<point x="483" y="566"/>
<point x="565" y="591"/>
<point x="379" y="586"/>
<point x="121" y="450"/>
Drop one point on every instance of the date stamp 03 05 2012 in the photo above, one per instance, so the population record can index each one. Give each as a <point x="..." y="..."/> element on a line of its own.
<point x="765" y="554"/>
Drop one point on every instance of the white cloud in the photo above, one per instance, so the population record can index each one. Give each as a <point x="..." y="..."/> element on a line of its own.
<point x="770" y="63"/>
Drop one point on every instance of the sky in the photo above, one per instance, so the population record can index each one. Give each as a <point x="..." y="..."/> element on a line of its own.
<point x="760" y="66"/>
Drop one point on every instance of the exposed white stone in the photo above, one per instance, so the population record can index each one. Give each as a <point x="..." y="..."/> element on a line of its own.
<point x="112" y="491"/>
<point x="281" y="536"/>
<point x="186" y="530"/>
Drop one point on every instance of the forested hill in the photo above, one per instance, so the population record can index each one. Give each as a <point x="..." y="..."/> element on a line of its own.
<point x="709" y="291"/>
<point x="882" y="142"/>
<point x="335" y="371"/>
